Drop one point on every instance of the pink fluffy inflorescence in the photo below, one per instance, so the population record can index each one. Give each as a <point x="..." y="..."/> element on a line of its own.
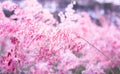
<point x="31" y="44"/>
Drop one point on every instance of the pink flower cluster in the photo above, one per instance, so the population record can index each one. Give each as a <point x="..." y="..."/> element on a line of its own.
<point x="31" y="44"/>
